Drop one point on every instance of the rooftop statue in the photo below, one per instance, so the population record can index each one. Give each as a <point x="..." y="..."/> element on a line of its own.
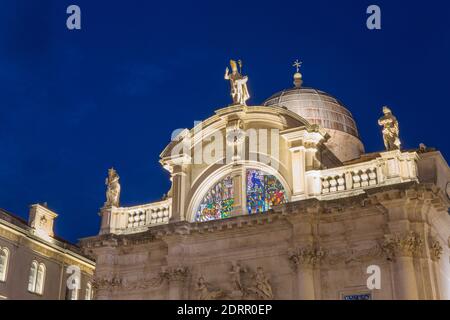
<point x="390" y="130"/>
<point x="113" y="190"/>
<point x="238" y="82"/>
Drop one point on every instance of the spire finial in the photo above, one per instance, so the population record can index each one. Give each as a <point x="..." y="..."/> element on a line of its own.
<point x="297" y="64"/>
<point x="297" y="75"/>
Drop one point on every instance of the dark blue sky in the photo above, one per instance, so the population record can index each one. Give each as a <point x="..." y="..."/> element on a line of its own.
<point x="74" y="103"/>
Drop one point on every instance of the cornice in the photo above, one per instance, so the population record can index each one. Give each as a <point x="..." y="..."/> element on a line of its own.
<point x="21" y="237"/>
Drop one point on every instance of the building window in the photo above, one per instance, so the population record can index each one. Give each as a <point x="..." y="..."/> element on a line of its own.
<point x="263" y="191"/>
<point x="36" y="279"/>
<point x="4" y="257"/>
<point x="88" y="295"/>
<point x="218" y="202"/>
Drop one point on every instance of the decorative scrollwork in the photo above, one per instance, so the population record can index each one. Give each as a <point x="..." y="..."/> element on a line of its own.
<point x="308" y="256"/>
<point x="408" y="244"/>
<point x="435" y="249"/>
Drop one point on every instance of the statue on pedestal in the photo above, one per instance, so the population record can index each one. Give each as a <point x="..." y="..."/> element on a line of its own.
<point x="390" y="130"/>
<point x="113" y="190"/>
<point x="238" y="82"/>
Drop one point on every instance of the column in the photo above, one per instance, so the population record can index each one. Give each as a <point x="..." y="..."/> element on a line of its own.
<point x="311" y="158"/>
<point x="403" y="246"/>
<point x="176" y="289"/>
<point x="303" y="261"/>
<point x="305" y="282"/>
<point x="298" y="171"/>
<point x="405" y="281"/>
<point x="239" y="177"/>
<point x="180" y="185"/>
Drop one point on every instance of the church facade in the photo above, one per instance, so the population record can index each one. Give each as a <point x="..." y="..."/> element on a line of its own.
<point x="280" y="201"/>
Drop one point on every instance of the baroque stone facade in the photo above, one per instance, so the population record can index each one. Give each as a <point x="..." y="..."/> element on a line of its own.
<point x="301" y="213"/>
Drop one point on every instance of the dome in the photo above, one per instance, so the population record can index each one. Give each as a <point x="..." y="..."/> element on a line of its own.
<point x="317" y="107"/>
<point x="323" y="109"/>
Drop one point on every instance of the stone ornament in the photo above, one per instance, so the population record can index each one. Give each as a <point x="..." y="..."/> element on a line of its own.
<point x="235" y="136"/>
<point x="307" y="256"/>
<point x="390" y="130"/>
<point x="238" y="83"/>
<point x="140" y="284"/>
<point x="409" y="244"/>
<point x="204" y="291"/>
<point x="235" y="273"/>
<point x="107" y="282"/>
<point x="349" y="256"/>
<point x="261" y="286"/>
<point x="175" y="274"/>
<point x="113" y="189"/>
<point x="245" y="285"/>
<point x="435" y="249"/>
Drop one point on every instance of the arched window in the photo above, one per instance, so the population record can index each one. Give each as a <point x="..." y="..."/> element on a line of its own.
<point x="88" y="295"/>
<point x="32" y="277"/>
<point x="4" y="257"/>
<point x="40" y="281"/>
<point x="36" y="279"/>
<point x="263" y="191"/>
<point x="218" y="201"/>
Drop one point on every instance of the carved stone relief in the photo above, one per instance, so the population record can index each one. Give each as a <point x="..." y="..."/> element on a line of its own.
<point x="408" y="244"/>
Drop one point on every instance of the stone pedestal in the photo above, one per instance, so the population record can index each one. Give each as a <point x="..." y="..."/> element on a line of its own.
<point x="106" y="215"/>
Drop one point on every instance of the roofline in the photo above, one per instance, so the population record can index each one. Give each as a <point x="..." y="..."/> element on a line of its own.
<point x="60" y="244"/>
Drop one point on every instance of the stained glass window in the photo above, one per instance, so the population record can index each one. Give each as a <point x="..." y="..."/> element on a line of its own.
<point x="263" y="191"/>
<point x="218" y="202"/>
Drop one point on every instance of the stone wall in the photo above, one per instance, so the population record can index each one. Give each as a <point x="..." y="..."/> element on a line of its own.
<point x="307" y="249"/>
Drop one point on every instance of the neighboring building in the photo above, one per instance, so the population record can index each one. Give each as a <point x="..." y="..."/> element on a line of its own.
<point x="36" y="264"/>
<point x="287" y="207"/>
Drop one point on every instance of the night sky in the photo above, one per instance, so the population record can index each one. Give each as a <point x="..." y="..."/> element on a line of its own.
<point x="74" y="103"/>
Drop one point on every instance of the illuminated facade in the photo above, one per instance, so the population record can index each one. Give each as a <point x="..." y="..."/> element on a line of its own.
<point x="280" y="201"/>
<point x="34" y="262"/>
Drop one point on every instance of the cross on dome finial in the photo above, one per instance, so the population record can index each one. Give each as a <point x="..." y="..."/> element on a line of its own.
<point x="297" y="64"/>
<point x="297" y="76"/>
